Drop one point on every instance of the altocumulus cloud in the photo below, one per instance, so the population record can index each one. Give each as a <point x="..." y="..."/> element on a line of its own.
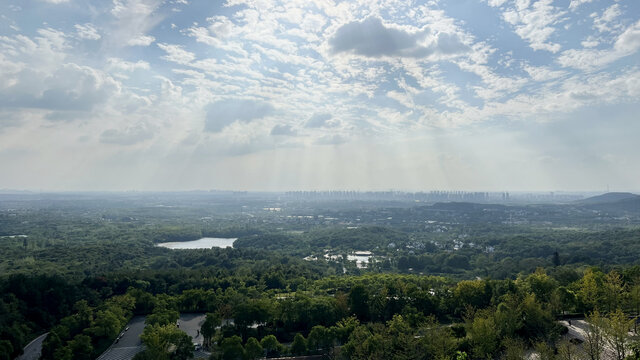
<point x="283" y="130"/>
<point x="225" y="112"/>
<point x="320" y="120"/>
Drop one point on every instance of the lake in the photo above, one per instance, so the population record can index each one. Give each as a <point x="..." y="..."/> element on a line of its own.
<point x="204" y="243"/>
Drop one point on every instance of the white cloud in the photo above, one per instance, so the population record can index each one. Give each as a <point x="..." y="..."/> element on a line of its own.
<point x="141" y="40"/>
<point x="225" y="112"/>
<point x="541" y="73"/>
<point x="261" y="77"/>
<point x="577" y="3"/>
<point x="604" y="22"/>
<point x="496" y="3"/>
<point x="534" y="23"/>
<point x="119" y="64"/>
<point x="320" y="120"/>
<point x="627" y="43"/>
<point x="134" y="19"/>
<point x="87" y="31"/>
<point x="128" y="136"/>
<point x="283" y="130"/>
<point x="176" y="54"/>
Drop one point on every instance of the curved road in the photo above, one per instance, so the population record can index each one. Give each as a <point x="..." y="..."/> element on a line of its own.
<point x="33" y="349"/>
<point x="129" y="345"/>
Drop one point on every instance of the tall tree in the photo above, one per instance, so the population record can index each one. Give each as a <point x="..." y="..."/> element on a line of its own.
<point x="594" y="336"/>
<point x="483" y="335"/>
<point x="208" y="328"/>
<point x="617" y="332"/>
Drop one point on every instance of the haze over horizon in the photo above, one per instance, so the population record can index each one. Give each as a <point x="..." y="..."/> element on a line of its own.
<point x="488" y="95"/>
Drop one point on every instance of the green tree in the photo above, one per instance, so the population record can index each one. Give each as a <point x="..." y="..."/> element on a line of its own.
<point x="253" y="349"/>
<point x="81" y="347"/>
<point x="365" y="343"/>
<point x="473" y="293"/>
<point x="106" y="325"/>
<point x="319" y="338"/>
<point x="166" y="342"/>
<point x="616" y="329"/>
<point x="232" y="348"/>
<point x="615" y="290"/>
<point x="538" y="323"/>
<point x="544" y="351"/>
<point x="568" y="351"/>
<point x="541" y="284"/>
<point x="163" y="316"/>
<point x="6" y="349"/>
<point x="299" y="345"/>
<point x="208" y="328"/>
<point x="589" y="292"/>
<point x="508" y="316"/>
<point x="359" y="302"/>
<point x="271" y="345"/>
<point x="483" y="335"/>
<point x="403" y="343"/>
<point x="437" y="341"/>
<point x="594" y="336"/>
<point x="513" y="349"/>
<point x="563" y="300"/>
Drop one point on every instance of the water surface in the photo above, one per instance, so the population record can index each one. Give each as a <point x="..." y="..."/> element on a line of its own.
<point x="204" y="243"/>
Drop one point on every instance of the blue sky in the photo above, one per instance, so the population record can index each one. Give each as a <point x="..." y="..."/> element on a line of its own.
<point x="278" y="95"/>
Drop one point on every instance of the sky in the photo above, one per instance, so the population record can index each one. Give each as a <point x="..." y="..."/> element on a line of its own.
<point x="159" y="95"/>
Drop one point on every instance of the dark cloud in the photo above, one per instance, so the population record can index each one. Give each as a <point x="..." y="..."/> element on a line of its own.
<point x="372" y="38"/>
<point x="283" y="130"/>
<point x="320" y="120"/>
<point x="225" y="112"/>
<point x="71" y="87"/>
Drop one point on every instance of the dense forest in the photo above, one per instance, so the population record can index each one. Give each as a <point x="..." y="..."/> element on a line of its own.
<point x="442" y="281"/>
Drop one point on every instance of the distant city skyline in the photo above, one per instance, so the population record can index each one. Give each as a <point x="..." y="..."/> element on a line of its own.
<point x="274" y="95"/>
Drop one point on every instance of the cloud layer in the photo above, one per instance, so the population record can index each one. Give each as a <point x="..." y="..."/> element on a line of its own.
<point x="395" y="90"/>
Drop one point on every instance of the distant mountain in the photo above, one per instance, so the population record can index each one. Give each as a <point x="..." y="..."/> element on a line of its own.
<point x="610" y="197"/>
<point x="616" y="202"/>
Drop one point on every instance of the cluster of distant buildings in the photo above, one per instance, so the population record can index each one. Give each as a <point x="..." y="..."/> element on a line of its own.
<point x="436" y="196"/>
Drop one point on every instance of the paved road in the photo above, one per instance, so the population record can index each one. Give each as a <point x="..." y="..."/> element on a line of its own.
<point x="129" y="345"/>
<point x="33" y="349"/>
<point x="191" y="324"/>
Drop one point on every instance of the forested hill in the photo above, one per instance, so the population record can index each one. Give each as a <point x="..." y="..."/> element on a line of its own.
<point x="80" y="266"/>
<point x="609" y="198"/>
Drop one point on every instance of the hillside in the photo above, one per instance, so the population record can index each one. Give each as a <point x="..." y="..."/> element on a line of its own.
<point x="610" y="197"/>
<point x="614" y="202"/>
